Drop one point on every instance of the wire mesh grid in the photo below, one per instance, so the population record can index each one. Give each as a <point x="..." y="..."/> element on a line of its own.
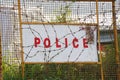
<point x="64" y="72"/>
<point x="58" y="11"/>
<point x="11" y="59"/>
<point x="49" y="11"/>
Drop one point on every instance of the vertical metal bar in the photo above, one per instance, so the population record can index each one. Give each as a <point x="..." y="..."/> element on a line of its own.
<point x="20" y="24"/>
<point x="0" y="57"/>
<point x="100" y="55"/>
<point x="116" y="40"/>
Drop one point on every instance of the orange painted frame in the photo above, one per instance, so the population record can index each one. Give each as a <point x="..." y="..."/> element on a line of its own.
<point x="20" y="21"/>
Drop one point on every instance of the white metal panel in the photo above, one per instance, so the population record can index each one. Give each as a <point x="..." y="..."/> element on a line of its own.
<point x="39" y="53"/>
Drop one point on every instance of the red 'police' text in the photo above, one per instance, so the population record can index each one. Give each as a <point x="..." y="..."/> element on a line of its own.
<point x="47" y="43"/>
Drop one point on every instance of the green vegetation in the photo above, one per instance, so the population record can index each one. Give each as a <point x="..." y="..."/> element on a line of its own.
<point x="62" y="14"/>
<point x="62" y="72"/>
<point x="109" y="63"/>
<point x="11" y="71"/>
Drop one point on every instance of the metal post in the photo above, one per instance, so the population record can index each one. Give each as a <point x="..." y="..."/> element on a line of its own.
<point x="20" y="22"/>
<point x="101" y="66"/>
<point x="0" y="58"/>
<point x="116" y="40"/>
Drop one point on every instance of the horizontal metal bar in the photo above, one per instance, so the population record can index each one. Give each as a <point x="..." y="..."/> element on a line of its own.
<point x="54" y="23"/>
<point x="62" y="62"/>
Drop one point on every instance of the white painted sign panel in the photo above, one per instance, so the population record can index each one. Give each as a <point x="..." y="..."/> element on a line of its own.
<point x="59" y="43"/>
